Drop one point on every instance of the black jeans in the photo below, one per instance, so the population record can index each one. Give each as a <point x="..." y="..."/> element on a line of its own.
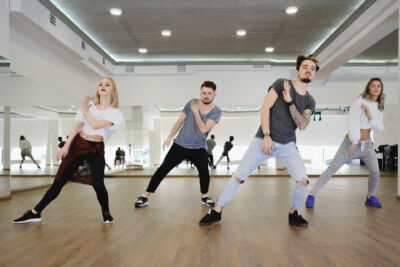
<point x="96" y="166"/>
<point x="175" y="156"/>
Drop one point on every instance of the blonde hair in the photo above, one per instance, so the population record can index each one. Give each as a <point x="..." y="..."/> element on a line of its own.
<point x="114" y="97"/>
<point x="381" y="97"/>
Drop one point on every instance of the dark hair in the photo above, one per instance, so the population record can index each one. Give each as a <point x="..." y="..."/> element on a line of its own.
<point x="301" y="58"/>
<point x="60" y="138"/>
<point x="209" y="84"/>
<point x="231" y="138"/>
<point x="22" y="137"/>
<point x="381" y="97"/>
<point x="212" y="136"/>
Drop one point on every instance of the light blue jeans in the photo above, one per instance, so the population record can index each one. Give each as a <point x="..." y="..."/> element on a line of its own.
<point x="253" y="157"/>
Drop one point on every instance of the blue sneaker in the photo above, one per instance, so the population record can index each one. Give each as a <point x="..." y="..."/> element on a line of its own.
<point x="310" y="201"/>
<point x="372" y="201"/>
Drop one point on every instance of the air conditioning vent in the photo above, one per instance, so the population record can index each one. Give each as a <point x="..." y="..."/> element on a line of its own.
<point x="53" y="19"/>
<point x="258" y="66"/>
<point x="83" y="45"/>
<point x="130" y="69"/>
<point x="104" y="61"/>
<point x="180" y="68"/>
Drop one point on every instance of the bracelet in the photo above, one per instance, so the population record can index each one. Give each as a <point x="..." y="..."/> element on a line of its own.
<point x="267" y="134"/>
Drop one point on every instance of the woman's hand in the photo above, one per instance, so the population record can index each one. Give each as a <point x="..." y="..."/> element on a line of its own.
<point x="352" y="149"/>
<point x="194" y="106"/>
<point x="267" y="145"/>
<point x="85" y="104"/>
<point x="366" y="111"/>
<point x="62" y="152"/>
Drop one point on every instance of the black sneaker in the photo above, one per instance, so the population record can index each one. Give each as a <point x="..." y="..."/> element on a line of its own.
<point x="211" y="217"/>
<point x="207" y="201"/>
<point x="28" y="217"/>
<point x="107" y="218"/>
<point x="141" y="202"/>
<point x="296" y="219"/>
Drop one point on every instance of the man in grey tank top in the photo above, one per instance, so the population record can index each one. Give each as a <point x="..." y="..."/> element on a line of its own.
<point x="199" y="116"/>
<point x="286" y="107"/>
<point x="210" y="146"/>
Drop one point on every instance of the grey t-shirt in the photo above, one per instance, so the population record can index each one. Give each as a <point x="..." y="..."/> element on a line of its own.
<point x="210" y="146"/>
<point x="190" y="136"/>
<point x="281" y="124"/>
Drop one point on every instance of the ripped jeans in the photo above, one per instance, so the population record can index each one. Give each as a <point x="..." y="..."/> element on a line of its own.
<point x="253" y="157"/>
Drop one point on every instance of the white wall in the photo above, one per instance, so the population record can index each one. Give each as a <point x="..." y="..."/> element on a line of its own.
<point x="4" y="29"/>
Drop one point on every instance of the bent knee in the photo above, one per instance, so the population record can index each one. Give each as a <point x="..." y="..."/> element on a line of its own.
<point x="240" y="181"/>
<point x="303" y="182"/>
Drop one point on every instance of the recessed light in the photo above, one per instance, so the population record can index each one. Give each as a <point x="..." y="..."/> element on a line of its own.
<point x="269" y="49"/>
<point x="72" y="106"/>
<point x="241" y="32"/>
<point x="70" y="109"/>
<point x="115" y="11"/>
<point x="166" y="33"/>
<point x="142" y="50"/>
<point x="292" y="9"/>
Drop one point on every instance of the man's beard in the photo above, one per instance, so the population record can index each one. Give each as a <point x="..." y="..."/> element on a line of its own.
<point x="206" y="103"/>
<point x="305" y="80"/>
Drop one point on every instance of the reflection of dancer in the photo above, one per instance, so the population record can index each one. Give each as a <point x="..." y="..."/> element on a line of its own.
<point x="195" y="122"/>
<point x="210" y="146"/>
<point x="227" y="147"/>
<point x="95" y="122"/>
<point x="364" y="115"/>
<point x="287" y="106"/>
<point x="26" y="151"/>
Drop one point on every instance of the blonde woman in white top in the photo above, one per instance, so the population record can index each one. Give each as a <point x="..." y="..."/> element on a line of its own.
<point x="366" y="114"/>
<point x="95" y="122"/>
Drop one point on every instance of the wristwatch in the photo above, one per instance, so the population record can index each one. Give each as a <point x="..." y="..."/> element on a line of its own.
<point x="290" y="103"/>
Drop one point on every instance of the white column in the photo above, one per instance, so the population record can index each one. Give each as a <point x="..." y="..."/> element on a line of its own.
<point x="6" y="137"/>
<point x="52" y="143"/>
<point x="155" y="143"/>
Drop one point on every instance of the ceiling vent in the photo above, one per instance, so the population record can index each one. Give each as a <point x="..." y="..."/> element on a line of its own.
<point x="83" y="45"/>
<point x="104" y="61"/>
<point x="130" y="69"/>
<point x="53" y="19"/>
<point x="258" y="66"/>
<point x="180" y="68"/>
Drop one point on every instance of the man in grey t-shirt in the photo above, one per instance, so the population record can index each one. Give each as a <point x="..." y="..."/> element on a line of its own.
<point x="195" y="122"/>
<point x="210" y="146"/>
<point x="286" y="107"/>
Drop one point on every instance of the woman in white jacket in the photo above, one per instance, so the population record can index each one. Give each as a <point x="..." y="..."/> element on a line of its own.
<point x="365" y="115"/>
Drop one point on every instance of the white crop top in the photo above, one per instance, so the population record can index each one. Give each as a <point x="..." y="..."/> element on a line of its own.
<point x="110" y="114"/>
<point x="357" y="119"/>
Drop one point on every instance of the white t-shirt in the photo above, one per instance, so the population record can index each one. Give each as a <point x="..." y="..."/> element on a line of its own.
<point x="110" y="114"/>
<point x="24" y="144"/>
<point x="357" y="119"/>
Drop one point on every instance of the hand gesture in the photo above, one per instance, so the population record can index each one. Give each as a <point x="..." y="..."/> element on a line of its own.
<point x="166" y="144"/>
<point x="352" y="149"/>
<point x="62" y="152"/>
<point x="267" y="145"/>
<point x="286" y="91"/>
<point x="194" y="106"/>
<point x="366" y="111"/>
<point x="85" y="104"/>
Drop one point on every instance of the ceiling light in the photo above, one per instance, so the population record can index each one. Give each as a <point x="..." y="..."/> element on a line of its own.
<point x="115" y="11"/>
<point x="142" y="50"/>
<point x="70" y="109"/>
<point x="241" y="32"/>
<point x="269" y="49"/>
<point x="166" y="33"/>
<point x="292" y="10"/>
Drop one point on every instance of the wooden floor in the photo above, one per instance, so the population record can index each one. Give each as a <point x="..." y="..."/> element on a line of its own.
<point x="254" y="230"/>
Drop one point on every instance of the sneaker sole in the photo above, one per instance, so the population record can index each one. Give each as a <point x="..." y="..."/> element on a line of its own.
<point x="309" y="207"/>
<point x="30" y="221"/>
<point x="373" y="206"/>
<point x="141" y="205"/>
<point x="206" y="204"/>
<point x="207" y="224"/>
<point x="301" y="225"/>
<point x="108" y="222"/>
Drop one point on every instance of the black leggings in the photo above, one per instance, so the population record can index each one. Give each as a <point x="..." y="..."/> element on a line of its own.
<point x="96" y="166"/>
<point x="175" y="156"/>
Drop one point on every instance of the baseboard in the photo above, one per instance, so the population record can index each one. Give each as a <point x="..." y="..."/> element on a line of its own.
<point x="5" y="198"/>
